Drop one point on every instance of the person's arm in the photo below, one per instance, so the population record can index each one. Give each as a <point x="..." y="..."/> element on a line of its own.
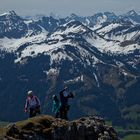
<point x="62" y="91"/>
<point x="38" y="101"/>
<point x="70" y="95"/>
<point x="26" y="105"/>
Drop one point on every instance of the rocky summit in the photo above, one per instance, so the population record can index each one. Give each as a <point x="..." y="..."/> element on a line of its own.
<point x="48" y="128"/>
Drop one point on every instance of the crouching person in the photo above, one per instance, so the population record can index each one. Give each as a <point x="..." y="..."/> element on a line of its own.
<point x="32" y="104"/>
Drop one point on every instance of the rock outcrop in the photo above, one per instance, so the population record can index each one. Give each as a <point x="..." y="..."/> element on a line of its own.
<point x="49" y="128"/>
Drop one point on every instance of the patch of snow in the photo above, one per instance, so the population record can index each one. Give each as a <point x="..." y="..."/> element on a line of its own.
<point x="120" y="64"/>
<point x="11" y="45"/>
<point x="111" y="46"/>
<point x="72" y="29"/>
<point x="57" y="57"/>
<point x="52" y="71"/>
<point x="35" y="49"/>
<point x="101" y="19"/>
<point x="95" y="60"/>
<point x="88" y="21"/>
<point x="134" y="22"/>
<point x="76" y="79"/>
<point x="108" y="28"/>
<point x="124" y="73"/>
<point x="28" y="21"/>
<point x="97" y="26"/>
<point x="5" y="14"/>
<point x="56" y="36"/>
<point x="97" y="81"/>
<point x="123" y="36"/>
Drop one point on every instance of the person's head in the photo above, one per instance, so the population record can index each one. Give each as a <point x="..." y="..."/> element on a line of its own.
<point x="54" y="97"/>
<point x="30" y="93"/>
<point x="66" y="88"/>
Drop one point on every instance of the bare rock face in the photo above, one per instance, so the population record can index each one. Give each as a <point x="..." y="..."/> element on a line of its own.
<point x="49" y="128"/>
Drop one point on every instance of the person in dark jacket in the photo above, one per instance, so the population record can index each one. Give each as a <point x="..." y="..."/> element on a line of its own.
<point x="32" y="104"/>
<point x="56" y="106"/>
<point x="64" y="107"/>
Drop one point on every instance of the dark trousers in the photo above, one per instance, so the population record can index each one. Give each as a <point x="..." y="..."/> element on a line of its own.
<point x="64" y="112"/>
<point x="34" y="111"/>
<point x="57" y="114"/>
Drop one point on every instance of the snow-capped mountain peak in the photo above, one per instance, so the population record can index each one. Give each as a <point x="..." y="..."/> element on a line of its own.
<point x="8" y="14"/>
<point x="132" y="13"/>
<point x="71" y="28"/>
<point x="110" y="30"/>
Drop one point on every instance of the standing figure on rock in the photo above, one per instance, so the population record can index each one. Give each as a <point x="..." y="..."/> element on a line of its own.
<point x="56" y="106"/>
<point x="32" y="104"/>
<point x="64" y="107"/>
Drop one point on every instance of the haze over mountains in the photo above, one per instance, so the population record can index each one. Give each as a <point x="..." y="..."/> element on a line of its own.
<point x="97" y="56"/>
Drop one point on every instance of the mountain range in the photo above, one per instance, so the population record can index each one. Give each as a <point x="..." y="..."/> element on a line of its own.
<point x="97" y="57"/>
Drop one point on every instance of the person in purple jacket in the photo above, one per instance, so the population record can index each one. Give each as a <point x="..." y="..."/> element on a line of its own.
<point x="32" y="104"/>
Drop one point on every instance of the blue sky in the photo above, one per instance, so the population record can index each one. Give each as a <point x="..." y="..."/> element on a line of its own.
<point x="66" y="7"/>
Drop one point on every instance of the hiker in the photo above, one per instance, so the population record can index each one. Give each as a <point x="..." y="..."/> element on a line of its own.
<point x="32" y="104"/>
<point x="56" y="106"/>
<point x="64" y="107"/>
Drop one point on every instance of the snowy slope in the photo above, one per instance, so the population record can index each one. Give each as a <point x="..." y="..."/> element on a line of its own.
<point x="43" y="44"/>
<point x="12" y="45"/>
<point x="115" y="37"/>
